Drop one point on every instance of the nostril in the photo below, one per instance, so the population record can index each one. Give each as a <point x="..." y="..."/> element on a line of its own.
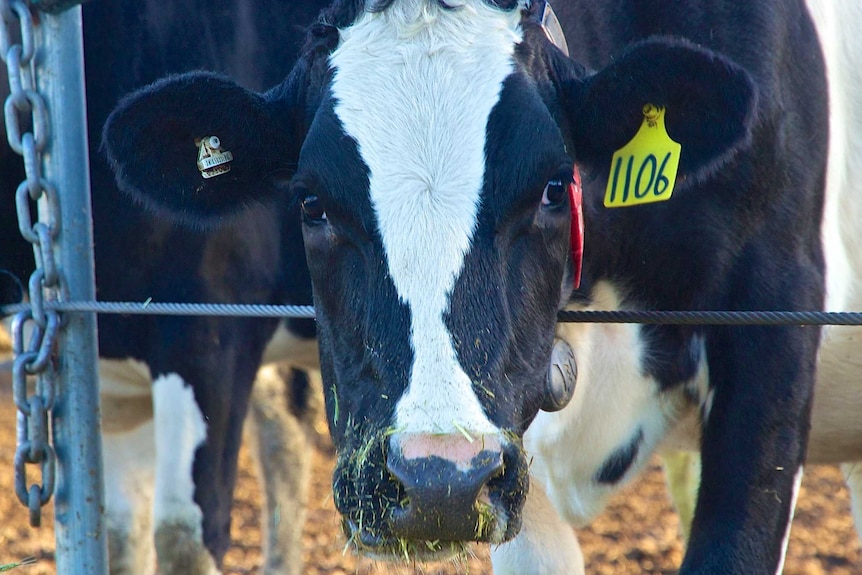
<point x="445" y="478"/>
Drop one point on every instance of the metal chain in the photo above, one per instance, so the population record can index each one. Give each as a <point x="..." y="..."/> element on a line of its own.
<point x="27" y="130"/>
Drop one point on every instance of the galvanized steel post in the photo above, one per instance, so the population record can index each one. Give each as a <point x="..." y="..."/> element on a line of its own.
<point x="79" y="502"/>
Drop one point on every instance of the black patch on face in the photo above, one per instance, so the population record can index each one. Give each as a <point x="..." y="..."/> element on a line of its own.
<point x="616" y="465"/>
<point x="364" y="492"/>
<point x="502" y="310"/>
<point x="364" y="329"/>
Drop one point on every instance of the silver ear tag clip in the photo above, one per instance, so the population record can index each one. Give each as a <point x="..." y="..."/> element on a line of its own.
<point x="212" y="160"/>
<point x="553" y="29"/>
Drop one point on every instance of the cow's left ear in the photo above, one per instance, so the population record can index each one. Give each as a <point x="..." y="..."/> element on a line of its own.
<point x="709" y="104"/>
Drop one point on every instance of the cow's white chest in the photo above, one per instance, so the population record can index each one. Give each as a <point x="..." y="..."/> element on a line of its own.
<point x="614" y="402"/>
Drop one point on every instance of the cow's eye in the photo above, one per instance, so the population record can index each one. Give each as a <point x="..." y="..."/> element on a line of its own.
<point x="312" y="209"/>
<point x="555" y="193"/>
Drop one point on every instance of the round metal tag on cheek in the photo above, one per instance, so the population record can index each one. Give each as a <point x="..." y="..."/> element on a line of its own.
<point x="562" y="377"/>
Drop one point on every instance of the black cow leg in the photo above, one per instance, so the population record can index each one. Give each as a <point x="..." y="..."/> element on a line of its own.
<point x="754" y="443"/>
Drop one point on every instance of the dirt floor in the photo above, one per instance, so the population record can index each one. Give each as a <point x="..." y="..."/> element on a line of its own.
<point x="636" y="535"/>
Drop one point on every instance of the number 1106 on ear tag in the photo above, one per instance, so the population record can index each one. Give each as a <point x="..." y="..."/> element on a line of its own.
<point x="644" y="170"/>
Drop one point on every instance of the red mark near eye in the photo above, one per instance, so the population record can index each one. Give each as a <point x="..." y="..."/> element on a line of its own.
<point x="576" y="201"/>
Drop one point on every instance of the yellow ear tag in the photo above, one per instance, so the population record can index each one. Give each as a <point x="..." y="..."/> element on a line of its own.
<point x="644" y="170"/>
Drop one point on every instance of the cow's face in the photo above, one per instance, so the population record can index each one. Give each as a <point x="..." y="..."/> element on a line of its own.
<point x="434" y="179"/>
<point x="432" y="172"/>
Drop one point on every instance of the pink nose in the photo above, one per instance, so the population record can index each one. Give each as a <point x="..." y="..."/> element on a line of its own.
<point x="444" y="477"/>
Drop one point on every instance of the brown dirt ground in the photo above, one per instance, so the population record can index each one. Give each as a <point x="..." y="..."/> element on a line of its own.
<point x="636" y="534"/>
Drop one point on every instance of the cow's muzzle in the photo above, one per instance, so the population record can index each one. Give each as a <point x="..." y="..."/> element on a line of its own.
<point x="445" y="478"/>
<point x="428" y="495"/>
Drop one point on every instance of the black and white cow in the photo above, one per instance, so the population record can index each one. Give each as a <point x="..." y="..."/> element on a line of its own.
<point x="437" y="150"/>
<point x="175" y="390"/>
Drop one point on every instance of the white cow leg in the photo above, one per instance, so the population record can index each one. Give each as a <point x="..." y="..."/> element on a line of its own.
<point x="546" y="545"/>
<point x="128" y="443"/>
<point x="682" y="473"/>
<point x="128" y="458"/>
<point x="180" y="428"/>
<point x="281" y="450"/>
<point x="853" y="476"/>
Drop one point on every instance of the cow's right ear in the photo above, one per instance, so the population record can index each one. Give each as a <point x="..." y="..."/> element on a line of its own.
<point x="153" y="141"/>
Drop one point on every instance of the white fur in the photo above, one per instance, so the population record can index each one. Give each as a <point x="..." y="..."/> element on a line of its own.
<point x="180" y="430"/>
<point x="837" y="427"/>
<point x="414" y="86"/>
<point x="546" y="545"/>
<point x="128" y="446"/>
<point x="613" y="399"/>
<point x="129" y="459"/>
<point x="132" y="466"/>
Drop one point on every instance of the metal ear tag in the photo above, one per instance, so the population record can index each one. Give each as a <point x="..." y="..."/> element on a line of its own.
<point x="553" y="29"/>
<point x="212" y="160"/>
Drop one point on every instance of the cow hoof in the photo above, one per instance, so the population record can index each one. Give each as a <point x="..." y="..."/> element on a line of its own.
<point x="180" y="551"/>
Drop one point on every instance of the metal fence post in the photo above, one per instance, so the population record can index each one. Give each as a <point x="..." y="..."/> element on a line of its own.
<point x="79" y="501"/>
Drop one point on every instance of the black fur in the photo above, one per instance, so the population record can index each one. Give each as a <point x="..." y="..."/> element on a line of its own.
<point x="615" y="466"/>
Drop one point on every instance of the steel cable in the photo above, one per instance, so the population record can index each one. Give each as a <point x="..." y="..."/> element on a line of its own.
<point x="617" y="316"/>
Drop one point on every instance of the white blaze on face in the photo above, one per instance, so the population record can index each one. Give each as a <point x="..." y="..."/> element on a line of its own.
<point x="414" y="86"/>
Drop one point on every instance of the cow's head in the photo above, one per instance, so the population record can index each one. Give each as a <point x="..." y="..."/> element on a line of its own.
<point x="431" y="146"/>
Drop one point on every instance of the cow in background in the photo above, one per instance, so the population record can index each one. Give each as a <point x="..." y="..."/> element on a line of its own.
<point x="175" y="390"/>
<point x="445" y="154"/>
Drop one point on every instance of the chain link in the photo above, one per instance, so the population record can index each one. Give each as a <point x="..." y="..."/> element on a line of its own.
<point x="27" y="130"/>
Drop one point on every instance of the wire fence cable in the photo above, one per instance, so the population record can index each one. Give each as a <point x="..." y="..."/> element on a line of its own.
<point x="762" y="318"/>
